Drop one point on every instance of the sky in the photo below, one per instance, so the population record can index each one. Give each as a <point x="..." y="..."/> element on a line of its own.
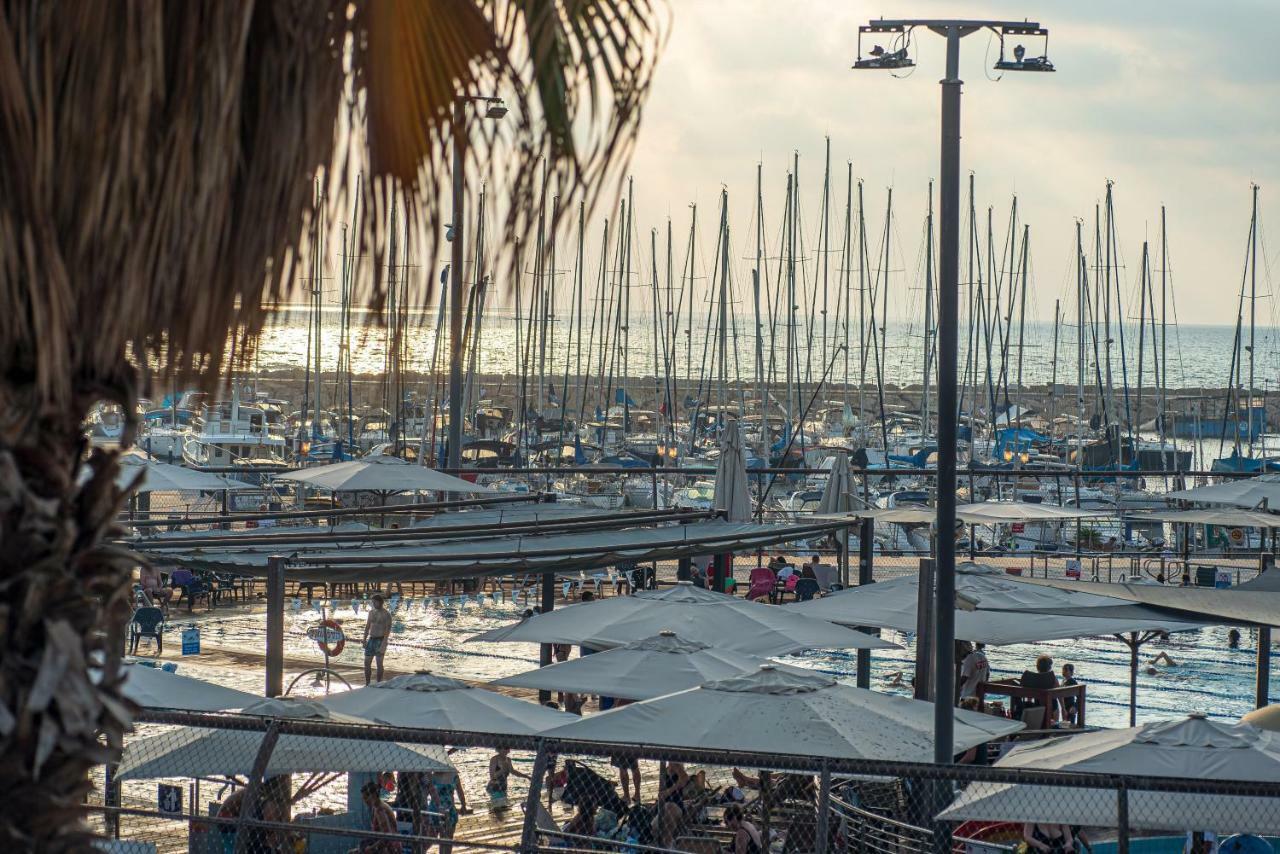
<point x="1174" y="101"/>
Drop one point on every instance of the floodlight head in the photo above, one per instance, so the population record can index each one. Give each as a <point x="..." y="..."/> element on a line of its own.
<point x="496" y="110"/>
<point x="879" y="58"/>
<point x="1020" y="61"/>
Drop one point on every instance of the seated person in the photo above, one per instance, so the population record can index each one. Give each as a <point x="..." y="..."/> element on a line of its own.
<point x="746" y="836"/>
<point x="1040" y="679"/>
<point x="153" y="585"/>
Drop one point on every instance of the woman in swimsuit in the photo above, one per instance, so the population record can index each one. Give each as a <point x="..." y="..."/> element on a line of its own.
<point x="1048" y="838"/>
<point x="500" y="769"/>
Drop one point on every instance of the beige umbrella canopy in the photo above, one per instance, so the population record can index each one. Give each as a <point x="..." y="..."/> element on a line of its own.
<point x="380" y="474"/>
<point x="1263" y="490"/>
<point x="1226" y="517"/>
<point x="1268" y="718"/>
<point x="731" y="493"/>
<point x="773" y="710"/>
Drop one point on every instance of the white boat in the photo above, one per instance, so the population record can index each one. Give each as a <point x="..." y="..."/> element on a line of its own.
<point x="228" y="432"/>
<point x="590" y="491"/>
<point x="699" y="496"/>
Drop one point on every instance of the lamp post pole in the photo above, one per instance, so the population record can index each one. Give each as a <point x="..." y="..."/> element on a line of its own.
<point x="948" y="342"/>
<point x="943" y="640"/>
<point x="454" y="460"/>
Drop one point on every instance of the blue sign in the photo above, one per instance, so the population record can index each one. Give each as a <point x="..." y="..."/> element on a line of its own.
<point x="169" y="799"/>
<point x="191" y="641"/>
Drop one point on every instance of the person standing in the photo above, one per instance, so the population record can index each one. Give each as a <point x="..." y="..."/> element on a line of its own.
<point x="1069" y="705"/>
<point x="973" y="670"/>
<point x="377" y="631"/>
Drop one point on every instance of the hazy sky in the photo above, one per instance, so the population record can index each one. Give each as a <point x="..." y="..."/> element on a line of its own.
<point x="1176" y="101"/>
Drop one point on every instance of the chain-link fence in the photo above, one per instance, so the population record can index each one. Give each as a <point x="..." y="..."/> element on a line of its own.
<point x="227" y="783"/>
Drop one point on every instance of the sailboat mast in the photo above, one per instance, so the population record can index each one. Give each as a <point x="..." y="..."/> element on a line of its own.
<point x="928" y="313"/>
<point x="724" y="302"/>
<point x="1253" y="314"/>
<point x="826" y="244"/>
<point x="756" y="278"/>
<point x="1082" y="283"/>
<point x="1164" y="332"/>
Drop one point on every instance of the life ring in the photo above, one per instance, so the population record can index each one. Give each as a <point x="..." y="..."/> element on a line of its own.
<point x="324" y="634"/>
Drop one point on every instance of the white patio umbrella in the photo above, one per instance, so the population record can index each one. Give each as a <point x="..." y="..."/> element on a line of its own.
<point x="643" y="669"/>
<point x="380" y="474"/>
<point x="1008" y="611"/>
<point x="1191" y="747"/>
<point x="693" y="613"/>
<point x="427" y="701"/>
<point x="163" y="477"/>
<point x="998" y="512"/>
<point x="837" y="494"/>
<point x="207" y="752"/>
<point x="1223" y="516"/>
<point x="1263" y="490"/>
<point x="155" y="688"/>
<point x="731" y="492"/>
<point x="784" y="711"/>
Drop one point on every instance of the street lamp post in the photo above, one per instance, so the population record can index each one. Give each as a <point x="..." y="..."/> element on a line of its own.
<point x="494" y="110"/>
<point x="948" y="318"/>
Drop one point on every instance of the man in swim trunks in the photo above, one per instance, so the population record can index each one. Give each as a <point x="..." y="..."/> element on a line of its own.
<point x="377" y="629"/>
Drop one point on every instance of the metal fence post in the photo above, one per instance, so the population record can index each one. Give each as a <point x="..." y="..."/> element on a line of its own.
<point x="547" y="606"/>
<point x="1122" y="817"/>
<point x="256" y="776"/>
<point x="824" y="810"/>
<point x="529" y="829"/>
<point x="275" y="626"/>
<point x="866" y="570"/>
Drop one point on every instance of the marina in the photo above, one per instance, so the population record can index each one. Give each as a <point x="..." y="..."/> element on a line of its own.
<point x="638" y="427"/>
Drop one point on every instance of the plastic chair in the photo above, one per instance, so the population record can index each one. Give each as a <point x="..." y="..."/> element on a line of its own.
<point x="191" y="586"/>
<point x="147" y="623"/>
<point x="762" y="581"/>
<point x="806" y="589"/>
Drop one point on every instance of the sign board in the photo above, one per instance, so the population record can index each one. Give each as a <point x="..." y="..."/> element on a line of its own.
<point x="169" y="799"/>
<point x="248" y="500"/>
<point x="191" y="641"/>
<point x="1073" y="568"/>
<point x="1018" y="527"/>
<point x="1223" y="579"/>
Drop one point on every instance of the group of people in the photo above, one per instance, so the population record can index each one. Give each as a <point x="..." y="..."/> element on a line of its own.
<point x="975" y="669"/>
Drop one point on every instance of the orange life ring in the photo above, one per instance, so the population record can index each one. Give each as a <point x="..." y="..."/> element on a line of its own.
<point x="328" y="629"/>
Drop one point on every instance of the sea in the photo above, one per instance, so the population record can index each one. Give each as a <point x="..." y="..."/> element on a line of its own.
<point x="1197" y="356"/>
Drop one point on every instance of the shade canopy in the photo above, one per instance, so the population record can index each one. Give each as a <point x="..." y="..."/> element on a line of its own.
<point x="1192" y="747"/>
<point x="694" y="614"/>
<point x="427" y="701"/>
<point x="978" y="513"/>
<point x="1008" y="611"/>
<point x="1227" y="518"/>
<point x="155" y="688"/>
<point x="640" y="670"/>
<point x="1256" y="601"/>
<point x="498" y="555"/>
<point x="731" y="493"/>
<point x="786" y="711"/>
<point x="163" y="477"/>
<point x="205" y="752"/>
<point x="380" y="474"/>
<point x="1263" y="490"/>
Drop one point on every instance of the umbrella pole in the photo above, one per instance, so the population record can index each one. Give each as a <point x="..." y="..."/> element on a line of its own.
<point x="275" y="626"/>
<point x="548" y="605"/>
<point x="1262" y="683"/>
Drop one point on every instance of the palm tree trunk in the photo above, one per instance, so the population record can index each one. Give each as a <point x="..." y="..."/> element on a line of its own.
<point x="63" y="606"/>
